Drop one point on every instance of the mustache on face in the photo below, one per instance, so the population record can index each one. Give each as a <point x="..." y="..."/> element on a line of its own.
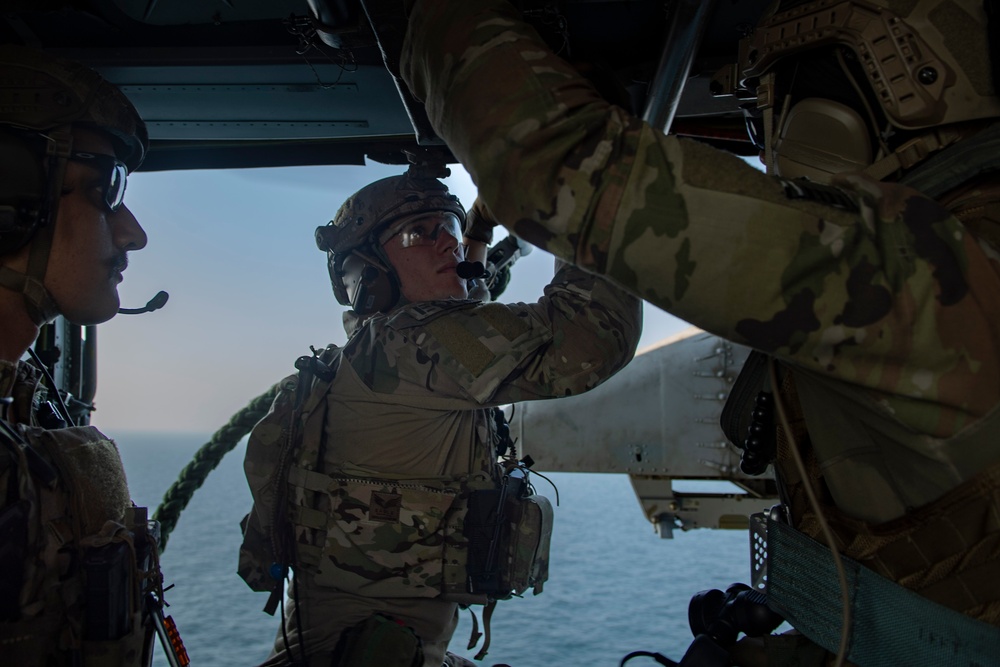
<point x="120" y="263"/>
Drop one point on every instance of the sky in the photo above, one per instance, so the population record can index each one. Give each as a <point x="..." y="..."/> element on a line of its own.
<point x="249" y="291"/>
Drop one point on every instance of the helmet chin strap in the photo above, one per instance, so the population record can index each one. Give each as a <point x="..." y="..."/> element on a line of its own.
<point x="40" y="305"/>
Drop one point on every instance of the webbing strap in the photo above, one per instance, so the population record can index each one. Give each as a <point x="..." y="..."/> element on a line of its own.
<point x="913" y="152"/>
<point x="310" y="480"/>
<point x="958" y="164"/>
<point x="487" y="617"/>
<point x="890" y="624"/>
<point x="308" y="517"/>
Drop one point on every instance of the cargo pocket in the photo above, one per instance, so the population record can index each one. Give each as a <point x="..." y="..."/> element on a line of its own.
<point x="384" y="539"/>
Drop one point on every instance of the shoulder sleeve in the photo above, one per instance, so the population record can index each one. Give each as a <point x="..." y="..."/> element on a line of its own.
<point x="577" y="335"/>
<point x="895" y="296"/>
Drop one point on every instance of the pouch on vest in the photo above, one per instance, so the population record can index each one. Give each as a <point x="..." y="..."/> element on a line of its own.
<point x="119" y="570"/>
<point x="133" y="648"/>
<point x="526" y="551"/>
<point x="256" y="556"/>
<point x="509" y="532"/>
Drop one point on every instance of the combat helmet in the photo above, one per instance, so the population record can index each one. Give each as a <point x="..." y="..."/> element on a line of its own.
<point x="360" y="273"/>
<point x="42" y="98"/>
<point x="872" y="86"/>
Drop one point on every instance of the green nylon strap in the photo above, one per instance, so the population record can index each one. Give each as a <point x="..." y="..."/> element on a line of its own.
<point x="890" y="624"/>
<point x="957" y="164"/>
<point x="310" y="480"/>
<point x="309" y="518"/>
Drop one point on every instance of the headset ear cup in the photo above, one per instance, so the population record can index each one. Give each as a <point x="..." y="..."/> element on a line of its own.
<point x="362" y="301"/>
<point x="376" y="292"/>
<point x="22" y="192"/>
<point x="335" y="267"/>
<point x="820" y="138"/>
<point x="362" y="286"/>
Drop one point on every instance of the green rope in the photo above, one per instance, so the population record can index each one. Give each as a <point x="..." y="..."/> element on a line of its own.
<point x="206" y="460"/>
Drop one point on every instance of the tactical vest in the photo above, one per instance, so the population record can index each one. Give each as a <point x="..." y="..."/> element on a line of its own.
<point x="75" y="554"/>
<point x="467" y="538"/>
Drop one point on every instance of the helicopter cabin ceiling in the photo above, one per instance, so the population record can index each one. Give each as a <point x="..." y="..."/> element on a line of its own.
<point x="249" y="83"/>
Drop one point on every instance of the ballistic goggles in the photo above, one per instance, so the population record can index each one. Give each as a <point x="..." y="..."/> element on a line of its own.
<point x="115" y="176"/>
<point x="424" y="229"/>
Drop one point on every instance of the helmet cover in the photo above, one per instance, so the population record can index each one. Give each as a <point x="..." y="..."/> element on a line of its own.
<point x="40" y="92"/>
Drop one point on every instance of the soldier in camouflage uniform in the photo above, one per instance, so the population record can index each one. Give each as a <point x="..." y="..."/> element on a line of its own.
<point x="68" y="139"/>
<point x="875" y="285"/>
<point x="406" y="427"/>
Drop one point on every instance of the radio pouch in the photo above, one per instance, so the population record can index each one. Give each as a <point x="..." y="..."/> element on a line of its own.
<point x="526" y="550"/>
<point x="509" y="532"/>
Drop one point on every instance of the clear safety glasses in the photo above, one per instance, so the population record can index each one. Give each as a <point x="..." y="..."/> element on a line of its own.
<point x="424" y="230"/>
<point x="115" y="173"/>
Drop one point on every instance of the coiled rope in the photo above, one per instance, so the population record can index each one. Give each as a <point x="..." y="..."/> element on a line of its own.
<point x="206" y="460"/>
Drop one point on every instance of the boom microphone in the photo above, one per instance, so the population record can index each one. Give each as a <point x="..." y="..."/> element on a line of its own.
<point x="155" y="303"/>
<point x="470" y="270"/>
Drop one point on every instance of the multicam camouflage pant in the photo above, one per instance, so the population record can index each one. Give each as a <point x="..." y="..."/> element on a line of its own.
<point x="327" y="612"/>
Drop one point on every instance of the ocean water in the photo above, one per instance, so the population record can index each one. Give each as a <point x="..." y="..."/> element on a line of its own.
<point x="614" y="586"/>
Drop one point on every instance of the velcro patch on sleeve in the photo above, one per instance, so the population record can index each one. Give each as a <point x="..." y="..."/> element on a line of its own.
<point x="463" y="345"/>
<point x="503" y="320"/>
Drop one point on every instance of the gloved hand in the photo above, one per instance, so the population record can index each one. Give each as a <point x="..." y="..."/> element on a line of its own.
<point x="480" y="223"/>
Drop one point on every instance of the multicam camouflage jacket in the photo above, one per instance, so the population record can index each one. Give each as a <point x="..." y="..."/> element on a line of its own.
<point x="891" y="296"/>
